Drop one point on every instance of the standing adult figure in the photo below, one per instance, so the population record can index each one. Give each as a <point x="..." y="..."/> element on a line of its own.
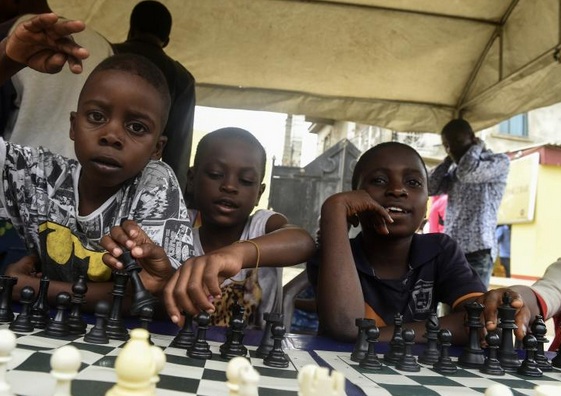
<point x="39" y="114"/>
<point x="150" y="26"/>
<point x="475" y="179"/>
<point x="503" y="240"/>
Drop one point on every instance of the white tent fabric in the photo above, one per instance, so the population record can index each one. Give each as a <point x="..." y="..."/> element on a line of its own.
<point x="407" y="65"/>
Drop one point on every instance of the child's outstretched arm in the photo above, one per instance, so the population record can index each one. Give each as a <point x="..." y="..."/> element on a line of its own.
<point x="339" y="293"/>
<point x="157" y="269"/>
<point x="43" y="43"/>
<point x="197" y="282"/>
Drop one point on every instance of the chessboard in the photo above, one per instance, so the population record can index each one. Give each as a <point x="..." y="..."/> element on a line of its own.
<point x="388" y="381"/>
<point x="29" y="368"/>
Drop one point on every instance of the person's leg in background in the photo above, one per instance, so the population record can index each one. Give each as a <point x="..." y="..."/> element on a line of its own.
<point x="482" y="263"/>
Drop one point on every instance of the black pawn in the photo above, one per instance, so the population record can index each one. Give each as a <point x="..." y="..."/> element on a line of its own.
<point x="277" y="358"/>
<point x="507" y="355"/>
<point x="23" y="323"/>
<point x="40" y="308"/>
<point x="370" y="360"/>
<point x="76" y="323"/>
<point x="201" y="348"/>
<point x="472" y="355"/>
<point x="431" y="353"/>
<point x="408" y="362"/>
<point x="97" y="334"/>
<point x="539" y="330"/>
<point x="529" y="366"/>
<point x="115" y="328"/>
<point x="141" y="297"/>
<point x="492" y="365"/>
<point x="146" y="315"/>
<point x="266" y="343"/>
<point x="185" y="338"/>
<point x="361" y="344"/>
<point x="397" y="347"/>
<point x="556" y="361"/>
<point x="7" y="284"/>
<point x="445" y="365"/>
<point x="233" y="346"/>
<point x="58" y="326"/>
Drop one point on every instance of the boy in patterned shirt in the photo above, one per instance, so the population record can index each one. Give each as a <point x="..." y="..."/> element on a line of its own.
<point x="62" y="207"/>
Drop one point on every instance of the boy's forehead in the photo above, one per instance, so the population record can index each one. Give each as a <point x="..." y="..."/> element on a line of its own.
<point x="394" y="157"/>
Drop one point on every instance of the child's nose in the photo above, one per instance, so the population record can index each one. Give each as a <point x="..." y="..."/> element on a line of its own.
<point x="112" y="135"/>
<point x="229" y="184"/>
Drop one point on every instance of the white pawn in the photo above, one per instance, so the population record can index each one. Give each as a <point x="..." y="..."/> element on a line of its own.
<point x="316" y="381"/>
<point x="65" y="363"/>
<point x="7" y="345"/>
<point x="547" y="390"/>
<point x="249" y="381"/>
<point x="233" y="374"/>
<point x="160" y="362"/>
<point x="135" y="367"/>
<point x="498" y="390"/>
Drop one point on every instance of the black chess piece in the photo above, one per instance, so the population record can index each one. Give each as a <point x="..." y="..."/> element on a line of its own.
<point x="115" y="328"/>
<point x="58" y="326"/>
<point x="431" y="354"/>
<point x="445" y="365"/>
<point x="556" y="361"/>
<point x="506" y="354"/>
<point x="7" y="284"/>
<point x="141" y="297"/>
<point x="277" y="358"/>
<point x="397" y="347"/>
<point x="266" y="343"/>
<point x="539" y="330"/>
<point x="472" y="355"/>
<point x="237" y="315"/>
<point x="233" y="346"/>
<point x="98" y="334"/>
<point x="408" y="362"/>
<point x="76" y="323"/>
<point x="200" y="348"/>
<point x="185" y="337"/>
<point x="22" y="323"/>
<point x="492" y="365"/>
<point x="529" y="366"/>
<point x="146" y="315"/>
<point x="370" y="360"/>
<point x="361" y="345"/>
<point x="40" y="308"/>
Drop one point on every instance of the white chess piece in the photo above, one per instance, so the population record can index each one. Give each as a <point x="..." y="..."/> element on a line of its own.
<point x="498" y="390"/>
<point x="7" y="345"/>
<point x="249" y="381"/>
<point x="65" y="363"/>
<point x="547" y="390"/>
<point x="233" y="370"/>
<point x="160" y="362"/>
<point x="316" y="381"/>
<point x="135" y="367"/>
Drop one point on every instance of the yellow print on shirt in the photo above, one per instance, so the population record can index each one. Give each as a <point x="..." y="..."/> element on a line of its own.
<point x="62" y="245"/>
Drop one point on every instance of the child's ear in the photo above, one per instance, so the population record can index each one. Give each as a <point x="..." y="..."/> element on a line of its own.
<point x="261" y="191"/>
<point x="159" y="149"/>
<point x="72" y="120"/>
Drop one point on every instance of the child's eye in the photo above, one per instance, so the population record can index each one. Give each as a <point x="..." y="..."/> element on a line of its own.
<point x="95" y="116"/>
<point x="377" y="180"/>
<point x="137" y="128"/>
<point x="214" y="175"/>
<point x="414" y="183"/>
<point x="247" y="182"/>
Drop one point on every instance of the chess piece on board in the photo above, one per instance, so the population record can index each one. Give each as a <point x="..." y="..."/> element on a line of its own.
<point x="22" y="323"/>
<point x="408" y="362"/>
<point x="431" y="353"/>
<point x="233" y="346"/>
<point x="397" y="347"/>
<point x="445" y="365"/>
<point x="200" y="348"/>
<point x="556" y="361"/>
<point x="141" y="296"/>
<point x="529" y="366"/>
<point x="242" y="378"/>
<point x="159" y="362"/>
<point x="7" y="284"/>
<point x="498" y="390"/>
<point x="98" y="334"/>
<point x="472" y="355"/>
<point x="547" y="390"/>
<point x="146" y="314"/>
<point x="370" y="360"/>
<point x="76" y="323"/>
<point x="277" y="358"/>
<point x="185" y="337"/>
<point x="135" y="367"/>
<point x="40" y="308"/>
<point x="506" y="354"/>
<point x="266" y="343"/>
<point x="115" y="328"/>
<point x="539" y="330"/>
<point x="492" y="365"/>
<point x="316" y="381"/>
<point x="65" y="363"/>
<point x="361" y="345"/>
<point x="58" y="326"/>
<point x="7" y="345"/>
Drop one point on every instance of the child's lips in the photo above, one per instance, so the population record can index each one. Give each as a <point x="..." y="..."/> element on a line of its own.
<point x="226" y="206"/>
<point x="106" y="164"/>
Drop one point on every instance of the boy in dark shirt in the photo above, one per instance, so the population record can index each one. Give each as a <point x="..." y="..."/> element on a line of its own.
<point x="62" y="207"/>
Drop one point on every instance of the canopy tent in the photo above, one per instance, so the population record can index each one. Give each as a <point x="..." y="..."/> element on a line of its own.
<point x="407" y="65"/>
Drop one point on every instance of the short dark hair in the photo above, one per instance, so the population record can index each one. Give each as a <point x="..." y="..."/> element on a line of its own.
<point x="231" y="133"/>
<point x="458" y="125"/>
<point x="142" y="67"/>
<point x="372" y="151"/>
<point x="151" y="17"/>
